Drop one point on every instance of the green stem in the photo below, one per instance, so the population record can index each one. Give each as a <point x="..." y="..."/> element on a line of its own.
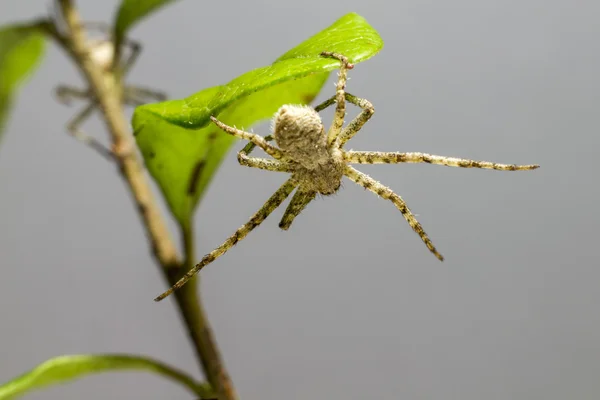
<point x="199" y="329"/>
<point x="108" y="94"/>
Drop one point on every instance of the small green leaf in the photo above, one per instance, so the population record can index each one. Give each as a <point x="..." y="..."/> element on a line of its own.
<point x="68" y="368"/>
<point x="182" y="150"/>
<point x="21" y="48"/>
<point x="130" y="12"/>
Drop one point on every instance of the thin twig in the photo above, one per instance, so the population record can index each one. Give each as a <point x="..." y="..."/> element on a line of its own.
<point x="108" y="93"/>
<point x="201" y="334"/>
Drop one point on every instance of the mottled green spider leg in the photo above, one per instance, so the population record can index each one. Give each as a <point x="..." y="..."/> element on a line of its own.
<point x="274" y="201"/>
<point x="357" y="123"/>
<point x="386" y="193"/>
<point x="379" y="157"/>
<point x="251" y="137"/>
<point x="261" y="163"/>
<point x="340" y="109"/>
<point x="299" y="201"/>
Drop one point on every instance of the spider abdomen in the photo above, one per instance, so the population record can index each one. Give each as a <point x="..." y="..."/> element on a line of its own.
<point x="300" y="134"/>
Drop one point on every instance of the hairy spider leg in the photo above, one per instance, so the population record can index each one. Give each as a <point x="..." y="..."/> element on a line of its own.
<point x="274" y="201"/>
<point x="378" y="157"/>
<point x="252" y="137"/>
<point x="261" y="163"/>
<point x="340" y="109"/>
<point x="386" y="193"/>
<point x="357" y="123"/>
<point x="299" y="201"/>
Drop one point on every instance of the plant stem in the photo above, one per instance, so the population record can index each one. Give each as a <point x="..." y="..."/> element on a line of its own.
<point x="201" y="333"/>
<point x="107" y="93"/>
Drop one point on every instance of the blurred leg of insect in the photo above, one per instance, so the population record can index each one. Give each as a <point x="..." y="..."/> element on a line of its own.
<point x="377" y="157"/>
<point x="274" y="201"/>
<point x="65" y="94"/>
<point x="299" y="201"/>
<point x="251" y="137"/>
<point x="386" y="193"/>
<point x="340" y="108"/>
<point x="77" y="133"/>
<point x="135" y="95"/>
<point x="135" y="47"/>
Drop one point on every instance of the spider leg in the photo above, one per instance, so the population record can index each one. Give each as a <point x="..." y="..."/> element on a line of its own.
<point x="299" y="201"/>
<point x="65" y="94"/>
<point x="252" y="137"/>
<point x="139" y="95"/>
<point x="376" y="157"/>
<point x="274" y="201"/>
<point x="357" y="123"/>
<point x="136" y="48"/>
<point x="340" y="109"/>
<point x="386" y="193"/>
<point x="261" y="163"/>
<point x="77" y="133"/>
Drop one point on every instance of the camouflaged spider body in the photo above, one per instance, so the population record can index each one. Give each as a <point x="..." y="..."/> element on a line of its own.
<point x="317" y="162"/>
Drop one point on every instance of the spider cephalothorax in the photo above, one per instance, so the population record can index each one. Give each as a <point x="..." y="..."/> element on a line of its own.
<point x="317" y="162"/>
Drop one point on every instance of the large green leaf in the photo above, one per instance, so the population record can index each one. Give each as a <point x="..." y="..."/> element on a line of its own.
<point x="130" y="12"/>
<point x="21" y="47"/>
<point x="68" y="368"/>
<point x="182" y="150"/>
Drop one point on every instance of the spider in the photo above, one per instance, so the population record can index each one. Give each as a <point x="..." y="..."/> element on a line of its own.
<point x="317" y="162"/>
<point x="102" y="52"/>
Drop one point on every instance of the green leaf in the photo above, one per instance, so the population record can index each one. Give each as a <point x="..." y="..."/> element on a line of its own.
<point x="130" y="12"/>
<point x="68" y="368"/>
<point x="182" y="150"/>
<point x="21" y="48"/>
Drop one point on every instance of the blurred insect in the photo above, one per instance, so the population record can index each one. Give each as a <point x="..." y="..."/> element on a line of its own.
<point x="102" y="53"/>
<point x="317" y="162"/>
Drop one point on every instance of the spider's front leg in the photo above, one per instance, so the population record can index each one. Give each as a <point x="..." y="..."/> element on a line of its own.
<point x="274" y="201"/>
<point x="251" y="137"/>
<point x="261" y="163"/>
<point x="340" y="109"/>
<point x="357" y="123"/>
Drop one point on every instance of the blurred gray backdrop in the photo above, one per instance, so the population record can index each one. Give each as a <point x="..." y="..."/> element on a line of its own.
<point x="348" y="304"/>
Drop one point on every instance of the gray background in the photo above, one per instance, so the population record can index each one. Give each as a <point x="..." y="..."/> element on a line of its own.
<point x="348" y="304"/>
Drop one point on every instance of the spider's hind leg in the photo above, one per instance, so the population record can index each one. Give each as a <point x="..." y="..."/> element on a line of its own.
<point x="299" y="201"/>
<point x="386" y="193"/>
<point x="271" y="204"/>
